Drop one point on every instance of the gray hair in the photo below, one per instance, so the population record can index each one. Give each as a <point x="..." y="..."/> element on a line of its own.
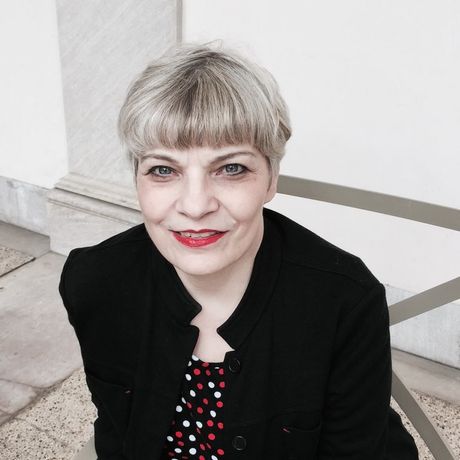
<point x="203" y="96"/>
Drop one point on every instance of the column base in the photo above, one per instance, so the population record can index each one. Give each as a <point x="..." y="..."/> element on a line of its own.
<point x="76" y="220"/>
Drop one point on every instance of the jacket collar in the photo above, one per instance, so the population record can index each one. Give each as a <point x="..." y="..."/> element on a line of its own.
<point x="183" y="307"/>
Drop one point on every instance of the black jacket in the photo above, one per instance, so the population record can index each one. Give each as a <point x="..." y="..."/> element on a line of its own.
<point x="310" y="338"/>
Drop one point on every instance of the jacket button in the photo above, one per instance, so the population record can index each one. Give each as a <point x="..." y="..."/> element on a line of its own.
<point x="239" y="442"/>
<point x="234" y="365"/>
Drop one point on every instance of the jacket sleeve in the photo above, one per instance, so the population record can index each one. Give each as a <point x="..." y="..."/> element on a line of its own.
<point x="108" y="443"/>
<point x="355" y="422"/>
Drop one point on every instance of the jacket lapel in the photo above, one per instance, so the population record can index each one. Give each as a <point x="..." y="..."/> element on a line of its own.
<point x="165" y="347"/>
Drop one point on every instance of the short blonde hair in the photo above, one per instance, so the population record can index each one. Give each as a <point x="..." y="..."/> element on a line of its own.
<point x="204" y="96"/>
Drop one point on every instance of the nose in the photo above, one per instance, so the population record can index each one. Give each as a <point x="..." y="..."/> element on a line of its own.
<point x="196" y="198"/>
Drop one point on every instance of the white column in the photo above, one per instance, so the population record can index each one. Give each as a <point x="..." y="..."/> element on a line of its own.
<point x="103" y="46"/>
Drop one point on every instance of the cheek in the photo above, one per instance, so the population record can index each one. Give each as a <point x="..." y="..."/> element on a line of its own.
<point x="246" y="204"/>
<point x="154" y="204"/>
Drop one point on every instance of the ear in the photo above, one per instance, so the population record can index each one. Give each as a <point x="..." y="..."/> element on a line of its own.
<point x="271" y="192"/>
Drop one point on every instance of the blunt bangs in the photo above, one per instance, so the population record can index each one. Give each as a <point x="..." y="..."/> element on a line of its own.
<point x="201" y="97"/>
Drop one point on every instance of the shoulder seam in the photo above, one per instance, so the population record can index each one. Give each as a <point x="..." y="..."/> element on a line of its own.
<point x="116" y="240"/>
<point x="367" y="294"/>
<point x="103" y="246"/>
<point x="369" y="280"/>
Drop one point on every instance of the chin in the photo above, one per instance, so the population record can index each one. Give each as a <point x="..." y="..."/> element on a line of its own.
<point x="198" y="268"/>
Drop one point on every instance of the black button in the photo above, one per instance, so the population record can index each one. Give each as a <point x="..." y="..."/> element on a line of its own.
<point x="239" y="442"/>
<point x="234" y="365"/>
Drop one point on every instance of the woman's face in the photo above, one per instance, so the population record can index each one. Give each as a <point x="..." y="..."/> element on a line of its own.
<point x="202" y="206"/>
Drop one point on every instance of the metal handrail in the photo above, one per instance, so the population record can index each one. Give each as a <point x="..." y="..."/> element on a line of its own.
<point x="382" y="203"/>
<point x="424" y="301"/>
<point x="433" y="438"/>
<point x="419" y="211"/>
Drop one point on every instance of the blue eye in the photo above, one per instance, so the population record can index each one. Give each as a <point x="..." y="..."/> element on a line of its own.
<point x="162" y="171"/>
<point x="234" y="169"/>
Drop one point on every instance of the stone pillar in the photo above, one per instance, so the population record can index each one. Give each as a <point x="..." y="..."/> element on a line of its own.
<point x="103" y="46"/>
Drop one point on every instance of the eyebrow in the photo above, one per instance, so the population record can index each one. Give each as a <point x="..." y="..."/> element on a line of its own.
<point x="220" y="158"/>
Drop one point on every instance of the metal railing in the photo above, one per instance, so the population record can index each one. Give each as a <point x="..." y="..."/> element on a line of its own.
<point x="430" y="299"/>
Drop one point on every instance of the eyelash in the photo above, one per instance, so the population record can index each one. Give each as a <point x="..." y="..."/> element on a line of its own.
<point x="242" y="169"/>
<point x="154" y="170"/>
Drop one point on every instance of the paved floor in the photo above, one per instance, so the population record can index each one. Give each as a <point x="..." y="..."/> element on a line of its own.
<point x="45" y="409"/>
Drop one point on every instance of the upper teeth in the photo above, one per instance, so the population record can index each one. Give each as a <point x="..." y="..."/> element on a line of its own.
<point x="197" y="235"/>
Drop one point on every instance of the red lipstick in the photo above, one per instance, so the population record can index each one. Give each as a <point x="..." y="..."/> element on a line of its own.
<point x="193" y="241"/>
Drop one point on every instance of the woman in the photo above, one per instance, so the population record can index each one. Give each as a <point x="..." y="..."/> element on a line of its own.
<point x="220" y="329"/>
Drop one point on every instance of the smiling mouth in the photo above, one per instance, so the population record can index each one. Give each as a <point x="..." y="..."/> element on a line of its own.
<point x="198" y="235"/>
<point x="201" y="233"/>
<point x="198" y="238"/>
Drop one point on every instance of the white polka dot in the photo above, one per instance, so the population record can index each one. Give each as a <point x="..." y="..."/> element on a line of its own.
<point x="187" y="376"/>
<point x="189" y="363"/>
<point x="178" y="408"/>
<point x="217" y="394"/>
<point x="186" y="423"/>
<point x="199" y="424"/>
<point x="211" y="385"/>
<point x="170" y="438"/>
<point x="178" y="450"/>
<point x="195" y="358"/>
<point x="192" y="393"/>
<point x="192" y="451"/>
<point x="213" y="457"/>
<point x="192" y="437"/>
<point x="213" y="413"/>
<point x="183" y="400"/>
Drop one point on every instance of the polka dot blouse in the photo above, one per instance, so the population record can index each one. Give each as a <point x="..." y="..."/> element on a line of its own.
<point x="196" y="431"/>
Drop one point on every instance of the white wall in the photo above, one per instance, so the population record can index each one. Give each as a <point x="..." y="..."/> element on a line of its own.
<point x="32" y="130"/>
<point x="375" y="104"/>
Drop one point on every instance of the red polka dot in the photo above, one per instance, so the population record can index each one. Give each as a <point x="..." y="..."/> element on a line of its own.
<point x="208" y="438"/>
